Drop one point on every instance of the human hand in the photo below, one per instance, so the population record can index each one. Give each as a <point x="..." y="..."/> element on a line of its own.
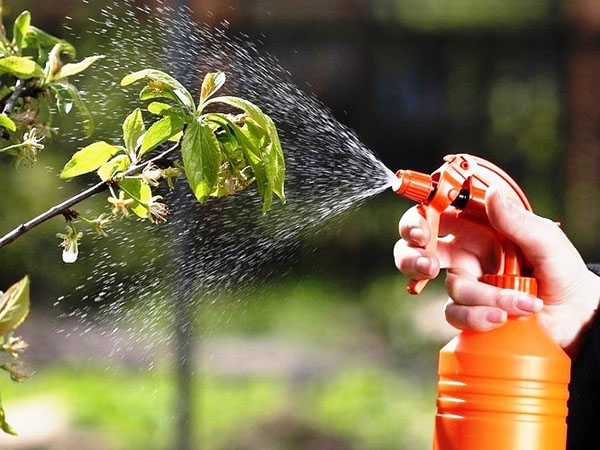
<point x="568" y="292"/>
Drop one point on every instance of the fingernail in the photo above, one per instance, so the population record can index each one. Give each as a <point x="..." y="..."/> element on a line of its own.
<point x="423" y="265"/>
<point x="529" y="304"/>
<point x="496" y="316"/>
<point x="416" y="235"/>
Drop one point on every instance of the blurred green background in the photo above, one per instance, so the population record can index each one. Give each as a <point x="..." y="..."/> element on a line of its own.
<point x="334" y="355"/>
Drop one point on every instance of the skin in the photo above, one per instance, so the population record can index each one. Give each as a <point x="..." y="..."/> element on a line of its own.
<point x="568" y="293"/>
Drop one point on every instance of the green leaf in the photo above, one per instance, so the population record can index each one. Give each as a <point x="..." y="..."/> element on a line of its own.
<point x="88" y="159"/>
<point x="68" y="70"/>
<point x="7" y="122"/>
<point x="253" y="111"/>
<point x="37" y="38"/>
<point x="21" y="28"/>
<point x="64" y="101"/>
<point x="118" y="164"/>
<point x="64" y="90"/>
<point x="134" y="187"/>
<point x="133" y="129"/>
<point x="4" y="425"/>
<point x="157" y="90"/>
<point x="159" y="108"/>
<point x="20" y="67"/>
<point x="277" y="160"/>
<point x="53" y="63"/>
<point x="275" y="157"/>
<point x="201" y="159"/>
<point x="257" y="148"/>
<point x="44" y="111"/>
<point x="160" y="132"/>
<point x="212" y="82"/>
<point x="14" y="306"/>
<point x="162" y="81"/>
<point x="176" y="137"/>
<point x="5" y="91"/>
<point x="251" y="148"/>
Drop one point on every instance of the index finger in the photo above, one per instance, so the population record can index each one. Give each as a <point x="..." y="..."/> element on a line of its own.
<point x="414" y="229"/>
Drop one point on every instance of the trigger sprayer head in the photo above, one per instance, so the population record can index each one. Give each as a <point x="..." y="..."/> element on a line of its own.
<point x="413" y="185"/>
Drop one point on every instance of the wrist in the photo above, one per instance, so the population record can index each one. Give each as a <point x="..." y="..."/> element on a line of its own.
<point x="585" y="307"/>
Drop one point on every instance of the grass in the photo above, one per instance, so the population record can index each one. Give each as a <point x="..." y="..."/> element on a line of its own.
<point x="373" y="408"/>
<point x="380" y="402"/>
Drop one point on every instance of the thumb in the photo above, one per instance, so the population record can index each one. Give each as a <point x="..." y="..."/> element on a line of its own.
<point x="536" y="236"/>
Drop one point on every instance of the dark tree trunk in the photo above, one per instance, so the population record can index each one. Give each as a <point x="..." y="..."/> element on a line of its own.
<point x="583" y="161"/>
<point x="185" y="333"/>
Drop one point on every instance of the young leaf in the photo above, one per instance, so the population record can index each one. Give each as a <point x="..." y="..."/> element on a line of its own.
<point x="118" y="164"/>
<point x="253" y="111"/>
<point x="88" y="159"/>
<point x="133" y="129"/>
<point x="37" y="38"/>
<point x="156" y="76"/>
<point x="21" y="28"/>
<point x="157" y="89"/>
<point x="275" y="157"/>
<point x="137" y="190"/>
<point x="176" y="137"/>
<point x="201" y="159"/>
<point x="251" y="142"/>
<point x="69" y="70"/>
<point x="160" y="132"/>
<point x="251" y="149"/>
<point x="4" y="424"/>
<point x="53" y="63"/>
<point x="64" y="101"/>
<point x="14" y="306"/>
<point x="20" y="67"/>
<point x="212" y="82"/>
<point x="7" y="122"/>
<point x="64" y="90"/>
<point x="159" y="108"/>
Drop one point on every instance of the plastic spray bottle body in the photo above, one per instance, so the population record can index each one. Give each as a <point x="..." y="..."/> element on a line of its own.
<point x="505" y="389"/>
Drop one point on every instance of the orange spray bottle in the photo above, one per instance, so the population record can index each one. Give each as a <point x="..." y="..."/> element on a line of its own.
<point x="504" y="389"/>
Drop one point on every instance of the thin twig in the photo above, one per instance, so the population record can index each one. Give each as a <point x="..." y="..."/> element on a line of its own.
<point x="10" y="103"/>
<point x="64" y="206"/>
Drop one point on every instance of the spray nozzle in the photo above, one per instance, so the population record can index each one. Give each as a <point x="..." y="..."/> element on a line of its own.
<point x="413" y="185"/>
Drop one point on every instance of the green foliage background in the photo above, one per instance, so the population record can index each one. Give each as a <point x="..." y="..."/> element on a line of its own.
<point x="487" y="77"/>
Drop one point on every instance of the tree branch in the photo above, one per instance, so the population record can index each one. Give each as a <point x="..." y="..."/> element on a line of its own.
<point x="10" y="103"/>
<point x="64" y="206"/>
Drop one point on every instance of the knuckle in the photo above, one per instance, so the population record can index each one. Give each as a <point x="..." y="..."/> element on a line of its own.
<point x="504" y="299"/>
<point x="450" y="312"/>
<point x="458" y="316"/>
<point x="399" y="253"/>
<point x="403" y="257"/>
<point x="471" y="318"/>
<point x="454" y="287"/>
<point x="520" y="222"/>
<point x="554" y="231"/>
<point x="405" y="265"/>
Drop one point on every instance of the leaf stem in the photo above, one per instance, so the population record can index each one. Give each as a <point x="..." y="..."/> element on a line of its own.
<point x="70" y="202"/>
<point x="12" y="147"/>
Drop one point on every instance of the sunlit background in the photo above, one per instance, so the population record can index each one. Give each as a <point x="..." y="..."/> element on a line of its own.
<point x="334" y="355"/>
